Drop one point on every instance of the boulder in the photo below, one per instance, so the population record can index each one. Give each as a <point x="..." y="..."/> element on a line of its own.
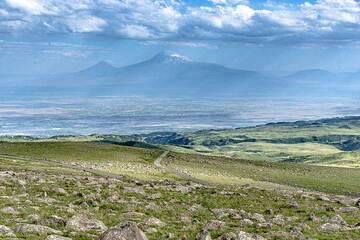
<point x="6" y="232"/>
<point x="57" y="237"/>
<point x="329" y="227"/>
<point x="9" y="210"/>
<point x="240" y="235"/>
<point x="82" y="222"/>
<point x="127" y="231"/>
<point x="203" y="235"/>
<point x="153" y="221"/>
<point x="214" y="224"/>
<point x="36" y="229"/>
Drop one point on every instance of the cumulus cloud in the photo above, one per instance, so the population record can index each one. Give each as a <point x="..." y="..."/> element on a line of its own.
<point x="330" y="21"/>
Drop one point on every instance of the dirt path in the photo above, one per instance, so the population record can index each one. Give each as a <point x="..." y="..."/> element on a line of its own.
<point x="158" y="164"/>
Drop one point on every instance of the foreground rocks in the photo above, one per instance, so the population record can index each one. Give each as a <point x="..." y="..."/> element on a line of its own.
<point x="36" y="229"/>
<point x="82" y="222"/>
<point x="127" y="231"/>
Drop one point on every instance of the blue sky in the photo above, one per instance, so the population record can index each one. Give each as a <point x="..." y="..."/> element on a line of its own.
<point x="53" y="36"/>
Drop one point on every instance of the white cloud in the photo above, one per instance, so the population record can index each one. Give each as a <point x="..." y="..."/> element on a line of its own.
<point x="136" y="31"/>
<point x="169" y="20"/>
<point x="86" y="24"/>
<point x="35" y="7"/>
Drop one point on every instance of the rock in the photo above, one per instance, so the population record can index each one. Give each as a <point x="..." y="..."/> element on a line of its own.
<point x="127" y="231"/>
<point x="348" y="209"/>
<point x="183" y="189"/>
<point x="258" y="217"/>
<point x="57" y="237"/>
<point x="240" y="235"/>
<point x="269" y="211"/>
<point x="152" y="221"/>
<point x="60" y="191"/>
<point x="9" y="210"/>
<point x="328" y="227"/>
<point x="36" y="229"/>
<point x="278" y="220"/>
<point x="34" y="218"/>
<point x="246" y="222"/>
<point x="6" y="232"/>
<point x="151" y="230"/>
<point x="293" y="205"/>
<point x="357" y="203"/>
<point x="313" y="218"/>
<point x="185" y="218"/>
<point x="323" y="198"/>
<point x="337" y="219"/>
<point x="203" y="235"/>
<point x="56" y="220"/>
<point x="134" y="190"/>
<point x="81" y="222"/>
<point x="195" y="207"/>
<point x="152" y="206"/>
<point x="214" y="224"/>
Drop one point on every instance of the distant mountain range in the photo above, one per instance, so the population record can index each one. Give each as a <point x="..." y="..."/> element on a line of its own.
<point x="173" y="74"/>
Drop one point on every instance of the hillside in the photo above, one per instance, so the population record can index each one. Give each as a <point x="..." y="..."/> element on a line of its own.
<point x="79" y="189"/>
<point x="330" y="142"/>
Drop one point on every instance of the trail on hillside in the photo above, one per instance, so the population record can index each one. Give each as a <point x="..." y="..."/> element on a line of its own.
<point x="158" y="164"/>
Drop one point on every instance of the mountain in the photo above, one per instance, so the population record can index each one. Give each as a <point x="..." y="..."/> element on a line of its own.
<point x="100" y="69"/>
<point x="172" y="74"/>
<point x="312" y="75"/>
<point x="176" y="75"/>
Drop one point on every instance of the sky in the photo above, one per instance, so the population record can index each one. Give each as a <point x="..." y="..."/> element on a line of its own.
<point x="57" y="36"/>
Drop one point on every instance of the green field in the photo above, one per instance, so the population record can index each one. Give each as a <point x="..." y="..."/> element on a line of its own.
<point x="238" y="195"/>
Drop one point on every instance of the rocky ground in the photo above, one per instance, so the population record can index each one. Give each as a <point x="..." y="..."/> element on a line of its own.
<point x="46" y="204"/>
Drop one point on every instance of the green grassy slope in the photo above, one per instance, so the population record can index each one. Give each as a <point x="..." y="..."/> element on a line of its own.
<point x="31" y="188"/>
<point x="236" y="171"/>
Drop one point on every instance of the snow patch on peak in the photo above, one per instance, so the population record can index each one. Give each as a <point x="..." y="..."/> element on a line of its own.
<point x="177" y="58"/>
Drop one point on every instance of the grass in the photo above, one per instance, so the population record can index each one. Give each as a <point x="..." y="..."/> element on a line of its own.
<point x="236" y="171"/>
<point x="134" y="162"/>
<point x="26" y="184"/>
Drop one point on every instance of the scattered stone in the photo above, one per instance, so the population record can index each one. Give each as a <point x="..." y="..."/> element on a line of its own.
<point x="323" y="198"/>
<point x="57" y="237"/>
<point x="185" y="218"/>
<point x="81" y="222"/>
<point x="56" y="220"/>
<point x="36" y="229"/>
<point x="240" y="235"/>
<point x="269" y="211"/>
<point x="123" y="232"/>
<point x="337" y="219"/>
<point x="278" y="220"/>
<point x="246" y="222"/>
<point x="313" y="218"/>
<point x="60" y="191"/>
<point x="328" y="227"/>
<point x="195" y="207"/>
<point x="34" y="218"/>
<point x="183" y="189"/>
<point x="137" y="190"/>
<point x="357" y="203"/>
<point x="214" y="224"/>
<point x="348" y="209"/>
<point x="9" y="210"/>
<point x="258" y="217"/>
<point x="203" y="235"/>
<point x="6" y="232"/>
<point x="152" y="221"/>
<point x="293" y="205"/>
